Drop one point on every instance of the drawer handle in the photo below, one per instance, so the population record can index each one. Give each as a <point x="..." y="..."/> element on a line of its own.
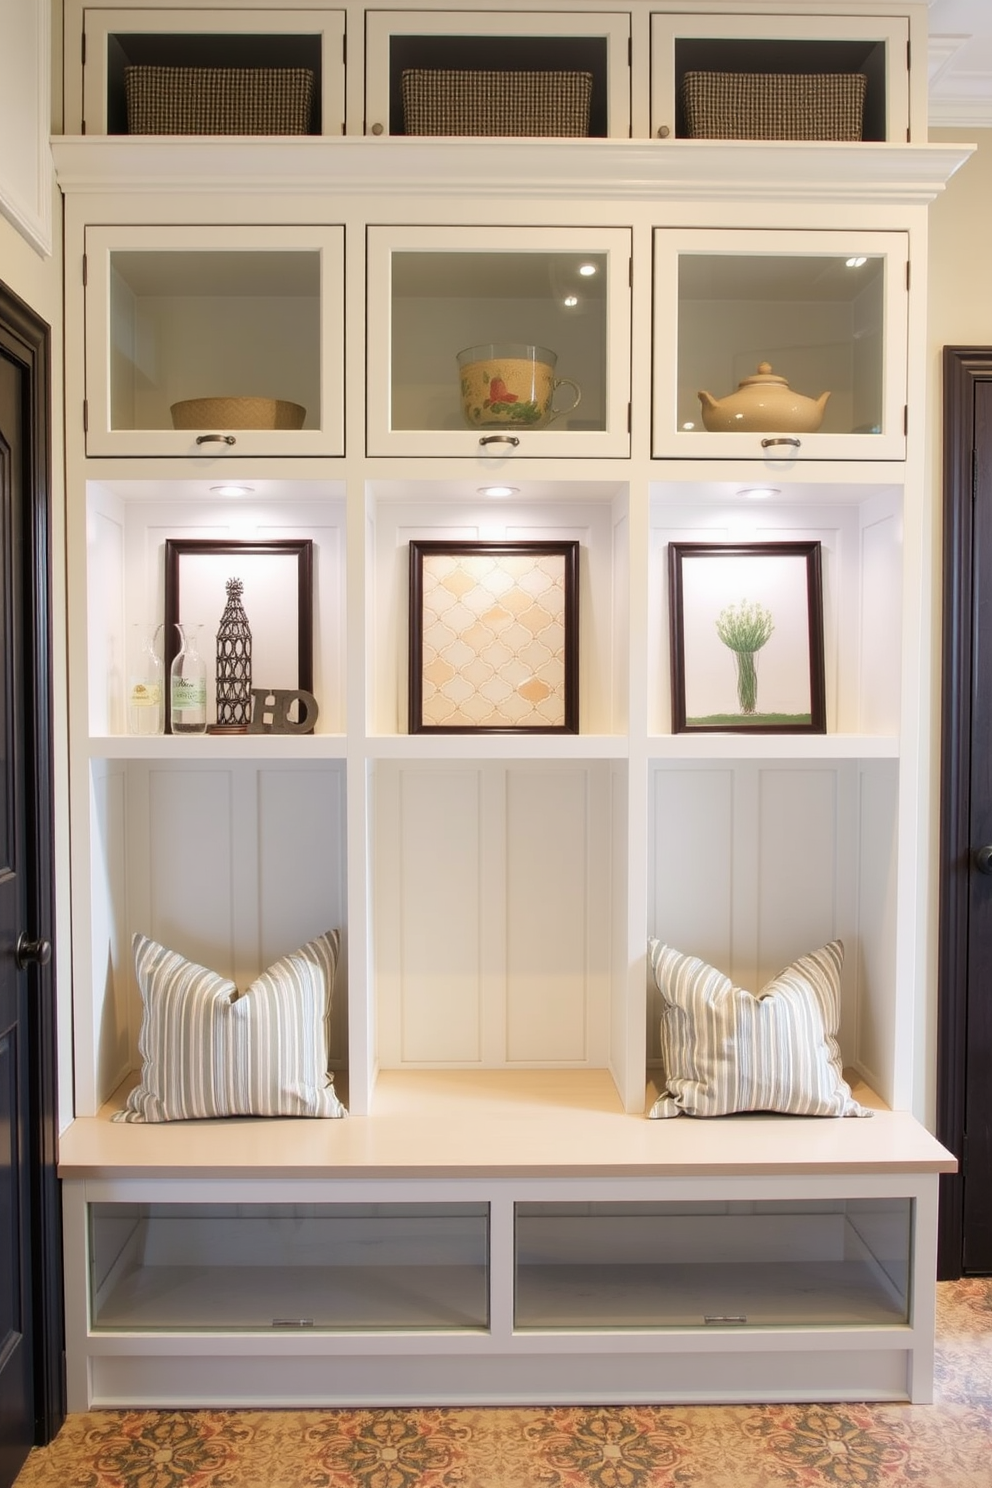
<point x="215" y="439"/>
<point x="767" y="443"/>
<point x="510" y="439"/>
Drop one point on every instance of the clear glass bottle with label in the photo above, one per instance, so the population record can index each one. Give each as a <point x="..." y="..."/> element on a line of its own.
<point x="188" y="684"/>
<point x="146" y="681"/>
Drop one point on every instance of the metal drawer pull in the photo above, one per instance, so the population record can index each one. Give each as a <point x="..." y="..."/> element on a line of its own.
<point x="767" y="443"/>
<point x="500" y="439"/>
<point x="215" y="439"/>
<point x="719" y="1318"/>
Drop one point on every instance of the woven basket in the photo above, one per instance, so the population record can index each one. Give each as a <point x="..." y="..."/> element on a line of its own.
<point x="437" y="101"/>
<point x="774" y="105"/>
<point x="219" y="100"/>
<point x="237" y="413"/>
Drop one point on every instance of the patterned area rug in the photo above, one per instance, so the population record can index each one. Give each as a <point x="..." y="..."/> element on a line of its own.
<point x="946" y="1445"/>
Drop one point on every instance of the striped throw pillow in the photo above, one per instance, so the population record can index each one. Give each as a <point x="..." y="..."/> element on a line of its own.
<point x="728" y="1050"/>
<point x="208" y="1050"/>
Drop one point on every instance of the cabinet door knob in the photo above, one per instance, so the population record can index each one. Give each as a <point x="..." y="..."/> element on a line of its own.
<point x="29" y="952"/>
<point x="216" y="439"/>
<point x="663" y="131"/>
<point x="510" y="439"/>
<point x="983" y="859"/>
<point x="795" y="443"/>
<point x="377" y="129"/>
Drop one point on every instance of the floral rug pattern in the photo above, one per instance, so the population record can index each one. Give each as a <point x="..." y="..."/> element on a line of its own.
<point x="946" y="1445"/>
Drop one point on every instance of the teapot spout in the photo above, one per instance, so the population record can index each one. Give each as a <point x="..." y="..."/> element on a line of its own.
<point x="821" y="401"/>
<point x="708" y="400"/>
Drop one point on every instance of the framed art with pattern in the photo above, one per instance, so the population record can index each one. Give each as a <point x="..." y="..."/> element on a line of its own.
<point x="494" y="630"/>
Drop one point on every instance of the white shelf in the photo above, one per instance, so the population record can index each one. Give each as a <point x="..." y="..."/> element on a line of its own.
<point x="800" y="747"/>
<point x="175" y="748"/>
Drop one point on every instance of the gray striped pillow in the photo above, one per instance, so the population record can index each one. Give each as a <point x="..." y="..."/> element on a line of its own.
<point x="209" y="1051"/>
<point x="728" y="1050"/>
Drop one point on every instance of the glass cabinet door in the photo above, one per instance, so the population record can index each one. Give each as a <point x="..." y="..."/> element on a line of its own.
<point x="306" y="46"/>
<point x="177" y="1268"/>
<point x="208" y="341"/>
<point x="780" y="346"/>
<point x="498" y="341"/>
<point x="693" y="56"/>
<point x="416" y="61"/>
<point x="734" y="1263"/>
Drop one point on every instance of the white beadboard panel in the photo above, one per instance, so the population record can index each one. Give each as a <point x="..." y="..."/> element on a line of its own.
<point x="191" y="821"/>
<point x="690" y="888"/>
<point x="548" y="926"/>
<point x="439" y="850"/>
<point x="105" y="617"/>
<point x="881" y="622"/>
<point x="301" y="885"/>
<point x="796" y="865"/>
<point x="110" y="949"/>
<point x="875" y="1015"/>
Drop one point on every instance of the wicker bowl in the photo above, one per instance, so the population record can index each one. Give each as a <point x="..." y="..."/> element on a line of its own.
<point x="237" y="413"/>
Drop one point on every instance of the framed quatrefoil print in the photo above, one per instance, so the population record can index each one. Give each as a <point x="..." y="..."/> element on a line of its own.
<point x="494" y="633"/>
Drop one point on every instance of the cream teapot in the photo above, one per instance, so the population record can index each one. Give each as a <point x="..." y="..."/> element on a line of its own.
<point x="763" y="404"/>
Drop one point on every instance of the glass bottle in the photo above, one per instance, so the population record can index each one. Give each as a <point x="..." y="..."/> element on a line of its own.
<point x="188" y="684"/>
<point x="146" y="681"/>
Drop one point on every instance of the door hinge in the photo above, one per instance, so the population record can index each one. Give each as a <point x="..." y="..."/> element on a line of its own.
<point x="628" y="419"/>
<point x="630" y="51"/>
<point x="974" y="475"/>
<point x="908" y="275"/>
<point x="905" y="419"/>
<point x="964" y="1155"/>
<point x="909" y="55"/>
<point x="82" y="49"/>
<point x="86" y="415"/>
<point x="85" y="271"/>
<point x="344" y="50"/>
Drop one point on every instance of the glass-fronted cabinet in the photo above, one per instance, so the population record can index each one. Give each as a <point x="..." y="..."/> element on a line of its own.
<point x="498" y="341"/>
<point x="211" y="70"/>
<point x="210" y="340"/>
<point x="497" y="72"/>
<point x="749" y="75"/>
<point x="780" y="346"/>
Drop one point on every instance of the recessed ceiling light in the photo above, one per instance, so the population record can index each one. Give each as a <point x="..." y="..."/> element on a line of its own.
<point x="587" y="270"/>
<point x="759" y="493"/>
<point x="232" y="490"/>
<point x="498" y="490"/>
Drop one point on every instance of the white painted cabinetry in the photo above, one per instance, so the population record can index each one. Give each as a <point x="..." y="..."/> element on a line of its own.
<point x="494" y="1034"/>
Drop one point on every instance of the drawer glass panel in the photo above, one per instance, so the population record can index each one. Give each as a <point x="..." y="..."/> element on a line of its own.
<point x="337" y="1267"/>
<point x="802" y="1263"/>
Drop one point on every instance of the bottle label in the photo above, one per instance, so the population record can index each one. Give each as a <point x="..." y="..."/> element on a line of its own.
<point x="189" y="694"/>
<point x="145" y="694"/>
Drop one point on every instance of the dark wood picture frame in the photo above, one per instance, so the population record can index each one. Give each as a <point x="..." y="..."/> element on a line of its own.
<point x="422" y="552"/>
<point x="179" y="548"/>
<point x="690" y="645"/>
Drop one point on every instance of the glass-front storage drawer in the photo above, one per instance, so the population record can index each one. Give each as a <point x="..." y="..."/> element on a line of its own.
<point x="780" y="345"/>
<point x="753" y="76"/>
<point x="497" y="72"/>
<point x="739" y="1263"/>
<point x="209" y="340"/>
<point x="498" y="341"/>
<point x="243" y="71"/>
<point x="338" y="1267"/>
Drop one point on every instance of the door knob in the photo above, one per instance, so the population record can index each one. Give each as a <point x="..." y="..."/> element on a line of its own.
<point x="29" y="952"/>
<point x="983" y="859"/>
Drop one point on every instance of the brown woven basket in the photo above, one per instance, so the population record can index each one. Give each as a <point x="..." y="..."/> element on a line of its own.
<point x="237" y="413"/>
<point x="219" y="100"/>
<point x="770" y="105"/>
<point x="441" y="101"/>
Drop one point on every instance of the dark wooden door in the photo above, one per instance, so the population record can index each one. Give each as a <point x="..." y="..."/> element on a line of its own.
<point x="965" y="1008"/>
<point x="16" y="1356"/>
<point x="30" y="1308"/>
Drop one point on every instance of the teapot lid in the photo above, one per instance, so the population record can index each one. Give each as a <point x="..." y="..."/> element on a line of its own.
<point x="764" y="375"/>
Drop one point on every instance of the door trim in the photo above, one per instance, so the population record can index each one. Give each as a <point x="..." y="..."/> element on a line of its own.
<point x="26" y="340"/>
<point x="963" y="367"/>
